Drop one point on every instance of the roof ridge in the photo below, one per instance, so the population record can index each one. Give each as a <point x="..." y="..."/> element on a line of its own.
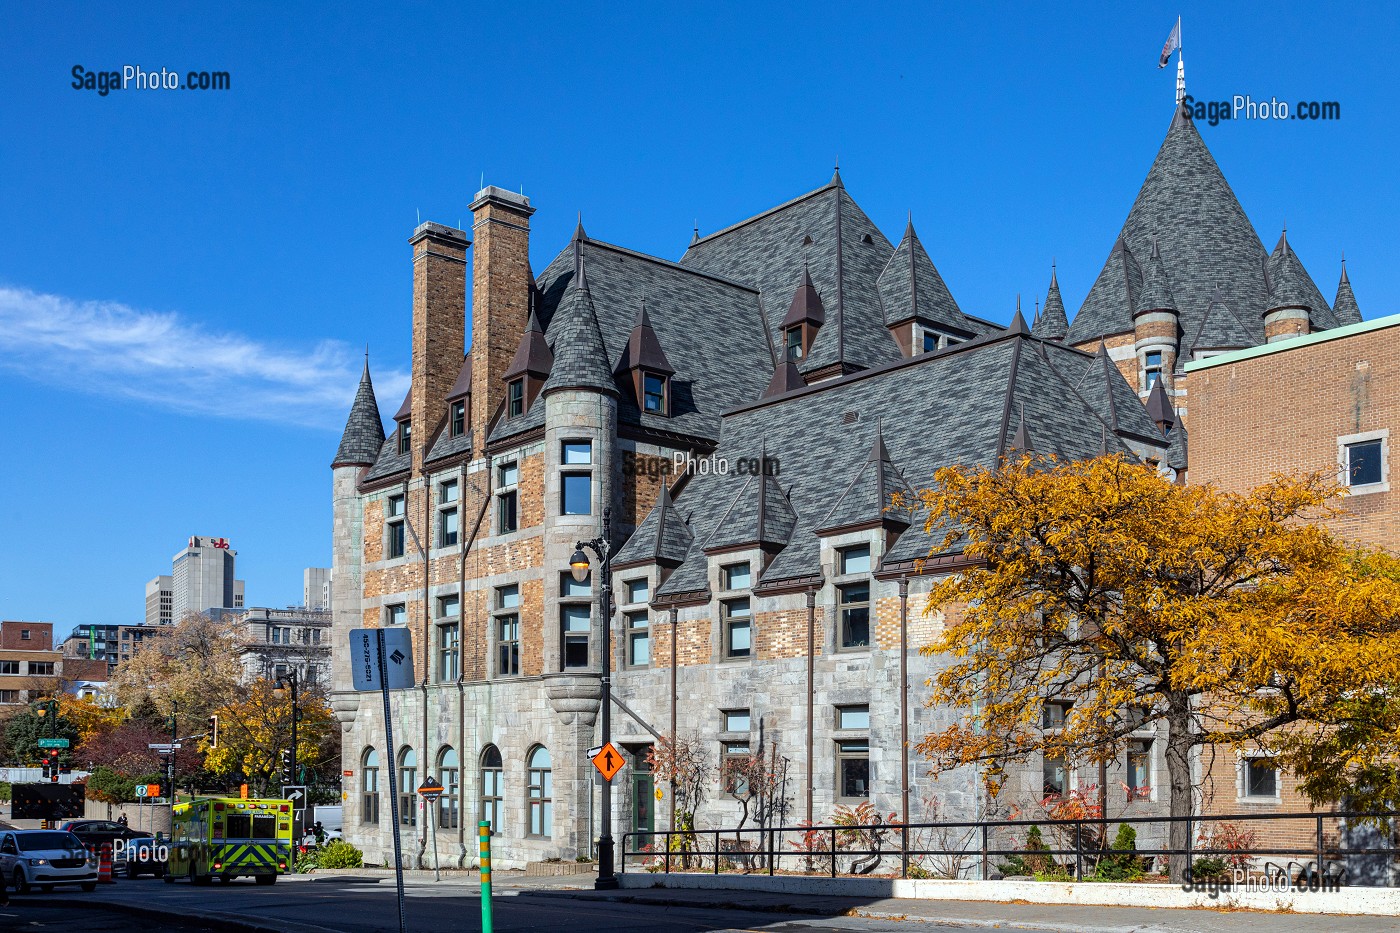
<point x="772" y="210"/>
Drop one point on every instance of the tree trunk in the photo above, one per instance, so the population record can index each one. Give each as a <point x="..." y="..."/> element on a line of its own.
<point x="1179" y="744"/>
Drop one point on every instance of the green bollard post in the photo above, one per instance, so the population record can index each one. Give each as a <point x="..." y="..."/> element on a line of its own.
<point x="484" y="834"/>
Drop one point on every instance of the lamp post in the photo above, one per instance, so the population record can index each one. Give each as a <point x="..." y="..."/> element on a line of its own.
<point x="579" y="568"/>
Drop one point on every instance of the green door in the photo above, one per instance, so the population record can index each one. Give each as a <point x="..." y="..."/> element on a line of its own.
<point x="643" y="804"/>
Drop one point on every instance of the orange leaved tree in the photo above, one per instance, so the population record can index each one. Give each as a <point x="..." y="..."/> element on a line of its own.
<point x="1135" y="603"/>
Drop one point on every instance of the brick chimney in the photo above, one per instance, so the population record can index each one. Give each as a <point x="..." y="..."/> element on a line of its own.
<point x="439" y="325"/>
<point x="501" y="282"/>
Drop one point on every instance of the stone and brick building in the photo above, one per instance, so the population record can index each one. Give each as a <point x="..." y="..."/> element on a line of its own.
<point x="273" y="643"/>
<point x="741" y="416"/>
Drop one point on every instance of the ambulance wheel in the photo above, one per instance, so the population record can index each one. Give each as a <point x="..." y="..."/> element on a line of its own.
<point x="266" y="879"/>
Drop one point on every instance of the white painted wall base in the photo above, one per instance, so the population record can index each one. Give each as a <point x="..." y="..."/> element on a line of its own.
<point x="1384" y="902"/>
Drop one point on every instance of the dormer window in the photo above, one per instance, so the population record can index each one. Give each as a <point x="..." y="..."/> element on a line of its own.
<point x="793" y="341"/>
<point x="457" y="418"/>
<point x="930" y="340"/>
<point x="654" y="388"/>
<point x="515" y="398"/>
<point x="405" y="435"/>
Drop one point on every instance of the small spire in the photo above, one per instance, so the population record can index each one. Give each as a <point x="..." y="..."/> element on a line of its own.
<point x="1344" y="279"/>
<point x="695" y="233"/>
<point x="1021" y="441"/>
<point x="1103" y="440"/>
<point x="1054" y="282"/>
<point x="878" y="451"/>
<point x="578" y="229"/>
<point x="836" y="175"/>
<point x="1156" y="251"/>
<point x="1018" y="321"/>
<point x="581" y="279"/>
<point x="1345" y="306"/>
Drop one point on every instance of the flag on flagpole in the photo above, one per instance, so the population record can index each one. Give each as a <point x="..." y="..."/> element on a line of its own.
<point x="1171" y="45"/>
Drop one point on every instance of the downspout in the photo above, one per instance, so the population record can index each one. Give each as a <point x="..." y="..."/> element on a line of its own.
<point x="904" y="699"/>
<point x="674" y="695"/>
<point x="811" y="690"/>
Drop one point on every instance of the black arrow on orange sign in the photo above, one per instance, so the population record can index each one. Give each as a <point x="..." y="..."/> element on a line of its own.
<point x="609" y="759"/>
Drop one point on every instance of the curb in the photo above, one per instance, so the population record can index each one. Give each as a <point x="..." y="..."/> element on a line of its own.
<point x="224" y="922"/>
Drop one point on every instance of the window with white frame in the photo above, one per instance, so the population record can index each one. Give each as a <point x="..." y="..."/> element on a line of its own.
<point x="1363" y="459"/>
<point x="576" y="486"/>
<point x="1151" y="368"/>
<point x="575" y="619"/>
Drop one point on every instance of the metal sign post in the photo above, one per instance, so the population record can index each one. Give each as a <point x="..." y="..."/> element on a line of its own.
<point x="483" y="830"/>
<point x="380" y="659"/>
<point x="431" y="791"/>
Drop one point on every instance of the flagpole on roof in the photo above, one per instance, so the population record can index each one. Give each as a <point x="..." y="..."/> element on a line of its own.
<point x="1180" y="66"/>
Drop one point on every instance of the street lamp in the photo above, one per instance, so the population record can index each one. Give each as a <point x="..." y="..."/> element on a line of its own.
<point x="579" y="568"/>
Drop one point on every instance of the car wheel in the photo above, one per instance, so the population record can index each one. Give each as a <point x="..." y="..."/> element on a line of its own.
<point x="89" y="885"/>
<point x="266" y="879"/>
<point x="21" y="882"/>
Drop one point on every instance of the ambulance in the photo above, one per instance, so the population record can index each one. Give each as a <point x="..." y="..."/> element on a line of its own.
<point x="229" y="837"/>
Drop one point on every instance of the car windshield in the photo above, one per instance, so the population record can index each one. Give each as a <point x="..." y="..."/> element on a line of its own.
<point x="39" y="842"/>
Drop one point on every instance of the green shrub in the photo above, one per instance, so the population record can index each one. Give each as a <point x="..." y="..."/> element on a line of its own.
<point x="308" y="861"/>
<point x="1209" y="868"/>
<point x="1057" y="873"/>
<point x="4" y="791"/>
<point x="340" y="854"/>
<point x="1123" y="865"/>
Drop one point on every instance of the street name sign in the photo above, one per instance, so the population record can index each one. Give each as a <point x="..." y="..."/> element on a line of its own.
<point x="398" y="658"/>
<point x="53" y="743"/>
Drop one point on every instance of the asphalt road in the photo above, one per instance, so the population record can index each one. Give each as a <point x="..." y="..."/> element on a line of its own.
<point x="356" y="905"/>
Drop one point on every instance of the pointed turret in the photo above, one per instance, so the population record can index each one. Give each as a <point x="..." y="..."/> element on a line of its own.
<point x="1053" y="324"/>
<point x="806" y="307"/>
<point x="1156" y="291"/>
<point x="363" y="437"/>
<point x="1345" y="306"/>
<point x="1018" y="322"/>
<point x="1021" y="440"/>
<point x="580" y="360"/>
<point x="866" y="500"/>
<point x="836" y="181"/>
<point x="1159" y="407"/>
<point x="1288" y="310"/>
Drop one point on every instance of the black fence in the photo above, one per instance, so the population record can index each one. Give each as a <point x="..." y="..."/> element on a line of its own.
<point x="1321" y="850"/>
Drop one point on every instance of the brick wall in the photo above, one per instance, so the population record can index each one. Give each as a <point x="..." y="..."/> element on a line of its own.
<point x="500" y="293"/>
<point x="40" y="635"/>
<point x="439" y="323"/>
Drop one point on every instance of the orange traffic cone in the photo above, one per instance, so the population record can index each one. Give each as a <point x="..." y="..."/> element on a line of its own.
<point x="104" y="864"/>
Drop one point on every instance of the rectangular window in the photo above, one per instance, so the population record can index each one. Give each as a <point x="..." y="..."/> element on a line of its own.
<point x="1053" y="715"/>
<point x="1139" y="768"/>
<point x="405" y="436"/>
<point x="396" y="614"/>
<point x="394" y="530"/>
<point x="507" y="500"/>
<point x="9" y="667"/>
<point x="794" y="342"/>
<point x="447" y="492"/>
<point x="1260" y="778"/>
<point x="24" y="634"/>
<point x="638" y="639"/>
<point x="459" y="418"/>
<point x="448" y="607"/>
<point x="447" y="528"/>
<point x="1054" y="775"/>
<point x="735" y="576"/>
<point x="1152" y="367"/>
<point x="448" y="641"/>
<point x="1364" y="463"/>
<point x="853" y="717"/>
<point x="9" y="696"/>
<point x="508" y="597"/>
<point x="734" y="759"/>
<point x="515" y="398"/>
<point x="508" y="645"/>
<point x="574" y="624"/>
<point x="855" y="615"/>
<point x="492" y="791"/>
<point x="930" y="341"/>
<point x="854" y="559"/>
<point x="653" y="394"/>
<point x="738" y="628"/>
<point x="577" y="494"/>
<point x="736" y="720"/>
<point x="637" y="591"/>
<point x="569" y="587"/>
<point x="853" y="769"/>
<point x="577" y="453"/>
<point x="42" y="668"/>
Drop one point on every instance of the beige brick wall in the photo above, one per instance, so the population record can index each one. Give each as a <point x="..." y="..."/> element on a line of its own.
<point x="500" y="299"/>
<point x="783" y="634"/>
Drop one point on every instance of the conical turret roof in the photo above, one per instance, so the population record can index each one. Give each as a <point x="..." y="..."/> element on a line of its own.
<point x="1053" y="324"/>
<point x="580" y="357"/>
<point x="1156" y="290"/>
<point x="363" y="437"/>
<point x="1345" y="306"/>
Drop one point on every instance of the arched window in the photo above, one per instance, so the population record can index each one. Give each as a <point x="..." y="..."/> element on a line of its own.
<point x="369" y="786"/>
<point x="539" y="793"/>
<point x="492" y="783"/>
<point x="408" y="787"/>
<point x="450" y="775"/>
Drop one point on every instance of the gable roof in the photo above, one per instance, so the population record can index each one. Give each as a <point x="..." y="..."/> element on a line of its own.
<point x="663" y="537"/>
<point x="910" y="287"/>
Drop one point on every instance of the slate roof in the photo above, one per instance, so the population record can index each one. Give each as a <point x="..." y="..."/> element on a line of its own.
<point x="580" y="357"/>
<point x="1176" y="449"/>
<point x="1290" y="286"/>
<point x="1104" y="388"/>
<point x="1053" y="324"/>
<point x="1345" y="306"/>
<point x="845" y="253"/>
<point x="759" y="514"/>
<point x="910" y="287"/>
<point x="462" y="385"/>
<point x="532" y="354"/>
<point x="1159" y="407"/>
<point x="1156" y="290"/>
<point x="1220" y="328"/>
<point x="1205" y="240"/>
<point x="643" y="348"/>
<point x="828" y="430"/>
<point x="662" y="537"/>
<point x="364" y="432"/>
<point x="712" y="330"/>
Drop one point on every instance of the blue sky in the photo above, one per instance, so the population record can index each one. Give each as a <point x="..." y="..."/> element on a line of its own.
<point x="188" y="280"/>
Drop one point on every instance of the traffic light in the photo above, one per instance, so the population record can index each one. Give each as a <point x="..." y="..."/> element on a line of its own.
<point x="287" y="776"/>
<point x="52" y="766"/>
<point x="214" y="731"/>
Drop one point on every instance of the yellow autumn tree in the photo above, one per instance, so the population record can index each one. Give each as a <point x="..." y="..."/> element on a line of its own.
<point x="1221" y="618"/>
<point x="91" y="719"/>
<point x="256" y="726"/>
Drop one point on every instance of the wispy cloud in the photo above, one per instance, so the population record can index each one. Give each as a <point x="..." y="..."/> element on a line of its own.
<point x="108" y="348"/>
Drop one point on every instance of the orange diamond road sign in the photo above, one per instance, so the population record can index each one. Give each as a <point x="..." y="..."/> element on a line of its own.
<point x="608" y="761"/>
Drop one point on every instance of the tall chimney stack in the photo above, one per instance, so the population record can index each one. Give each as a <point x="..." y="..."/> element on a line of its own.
<point x="501" y="283"/>
<point x="439" y="326"/>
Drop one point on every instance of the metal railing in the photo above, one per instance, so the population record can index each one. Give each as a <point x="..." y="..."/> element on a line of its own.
<point x="821" y="849"/>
